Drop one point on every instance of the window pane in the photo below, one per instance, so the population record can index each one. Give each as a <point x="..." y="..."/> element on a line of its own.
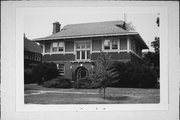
<point x="82" y="54"/>
<point x="83" y="46"/>
<point x="123" y="44"/>
<point x="47" y="47"/>
<point x="61" y="69"/>
<point x="61" y="46"/>
<point x="88" y="45"/>
<point x="88" y="54"/>
<point x="107" y="44"/>
<point x="78" y="54"/>
<point x="77" y="46"/>
<point x="114" y="44"/>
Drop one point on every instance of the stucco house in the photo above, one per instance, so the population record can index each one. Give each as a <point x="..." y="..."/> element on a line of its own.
<point x="74" y="47"/>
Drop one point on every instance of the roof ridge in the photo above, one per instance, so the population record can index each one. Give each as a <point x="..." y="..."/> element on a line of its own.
<point x="94" y="22"/>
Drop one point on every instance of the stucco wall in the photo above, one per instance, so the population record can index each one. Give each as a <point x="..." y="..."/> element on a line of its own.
<point x="97" y="44"/>
<point x="69" y="46"/>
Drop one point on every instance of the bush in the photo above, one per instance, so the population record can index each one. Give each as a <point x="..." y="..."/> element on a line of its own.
<point x="86" y="83"/>
<point x="134" y="75"/>
<point x="28" y="76"/>
<point x="59" y="82"/>
<point x="45" y="72"/>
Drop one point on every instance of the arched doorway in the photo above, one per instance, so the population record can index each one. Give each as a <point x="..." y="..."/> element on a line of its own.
<point x="81" y="72"/>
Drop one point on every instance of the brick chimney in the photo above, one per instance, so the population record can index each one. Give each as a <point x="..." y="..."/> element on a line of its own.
<point x="56" y="27"/>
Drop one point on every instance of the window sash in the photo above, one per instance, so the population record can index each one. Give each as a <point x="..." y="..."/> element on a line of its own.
<point x="114" y="44"/>
<point x="61" y="69"/>
<point x="47" y="47"/>
<point x="107" y="44"/>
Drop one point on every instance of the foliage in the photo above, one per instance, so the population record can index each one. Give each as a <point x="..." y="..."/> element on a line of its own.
<point x="134" y="75"/>
<point x="41" y="73"/>
<point x="59" y="82"/>
<point x="155" y="44"/>
<point x="28" y="76"/>
<point x="102" y="74"/>
<point x="129" y="26"/>
<point x="152" y="60"/>
<point x="86" y="83"/>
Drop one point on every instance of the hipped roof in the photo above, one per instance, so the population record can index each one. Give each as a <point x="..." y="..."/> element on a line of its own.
<point x="96" y="29"/>
<point x="31" y="46"/>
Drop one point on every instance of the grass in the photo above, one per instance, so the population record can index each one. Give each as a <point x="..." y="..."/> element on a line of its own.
<point x="90" y="96"/>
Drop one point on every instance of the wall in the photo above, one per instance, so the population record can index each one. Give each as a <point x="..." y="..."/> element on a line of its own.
<point x="96" y="44"/>
<point x="69" y="46"/>
<point x="56" y="57"/>
<point x="114" y="56"/>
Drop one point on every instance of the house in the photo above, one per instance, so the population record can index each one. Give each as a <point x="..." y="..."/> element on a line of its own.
<point x="32" y="53"/>
<point x="74" y="47"/>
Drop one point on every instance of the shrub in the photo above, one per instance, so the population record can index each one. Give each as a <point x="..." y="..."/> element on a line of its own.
<point x="85" y="83"/>
<point x="28" y="76"/>
<point x="45" y="72"/>
<point x="59" y="82"/>
<point x="134" y="75"/>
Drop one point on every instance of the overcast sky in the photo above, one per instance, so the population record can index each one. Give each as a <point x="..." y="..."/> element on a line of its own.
<point x="39" y="24"/>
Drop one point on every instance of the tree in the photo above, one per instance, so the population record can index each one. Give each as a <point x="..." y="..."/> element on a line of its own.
<point x="103" y="73"/>
<point x="152" y="58"/>
<point x="129" y="26"/>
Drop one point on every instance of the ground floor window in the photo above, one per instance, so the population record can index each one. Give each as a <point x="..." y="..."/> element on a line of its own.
<point x="61" y="69"/>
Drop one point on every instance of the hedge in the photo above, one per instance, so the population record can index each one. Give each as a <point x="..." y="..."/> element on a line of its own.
<point x="59" y="82"/>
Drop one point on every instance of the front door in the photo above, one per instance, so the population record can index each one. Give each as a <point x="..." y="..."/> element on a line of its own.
<point x="81" y="73"/>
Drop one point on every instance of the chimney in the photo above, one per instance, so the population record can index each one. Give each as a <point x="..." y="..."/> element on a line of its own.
<point x="56" y="27"/>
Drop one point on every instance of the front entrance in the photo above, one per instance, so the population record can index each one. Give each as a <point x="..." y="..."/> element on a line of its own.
<point x="81" y="72"/>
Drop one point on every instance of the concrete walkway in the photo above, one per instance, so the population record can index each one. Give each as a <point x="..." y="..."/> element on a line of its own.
<point x="36" y="92"/>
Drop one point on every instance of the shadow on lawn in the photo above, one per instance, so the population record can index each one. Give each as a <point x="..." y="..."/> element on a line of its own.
<point x="117" y="97"/>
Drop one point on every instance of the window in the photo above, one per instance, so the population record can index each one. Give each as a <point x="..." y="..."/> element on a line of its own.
<point x="61" y="46"/>
<point x="61" y="69"/>
<point x="106" y="44"/>
<point x="114" y="44"/>
<point x="47" y="47"/>
<point x="110" y="44"/>
<point x="83" y="50"/>
<point x="54" y="47"/>
<point x="123" y="44"/>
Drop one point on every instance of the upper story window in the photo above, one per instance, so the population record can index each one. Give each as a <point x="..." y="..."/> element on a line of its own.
<point x="123" y="44"/>
<point x="47" y="47"/>
<point x="114" y="44"/>
<point x="107" y="44"/>
<point x="54" y="47"/>
<point x="61" y="46"/>
<point x="110" y="44"/>
<point x="82" y="50"/>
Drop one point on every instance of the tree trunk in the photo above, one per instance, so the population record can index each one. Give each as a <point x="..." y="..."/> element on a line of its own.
<point x="104" y="93"/>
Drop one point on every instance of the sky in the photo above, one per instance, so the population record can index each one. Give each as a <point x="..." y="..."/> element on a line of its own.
<point x="39" y="24"/>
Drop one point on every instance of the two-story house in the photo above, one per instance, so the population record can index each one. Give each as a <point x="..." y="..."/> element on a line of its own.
<point x="74" y="47"/>
<point x="32" y="53"/>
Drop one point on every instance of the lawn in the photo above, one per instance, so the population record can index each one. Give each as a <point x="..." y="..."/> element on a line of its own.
<point x="35" y="94"/>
